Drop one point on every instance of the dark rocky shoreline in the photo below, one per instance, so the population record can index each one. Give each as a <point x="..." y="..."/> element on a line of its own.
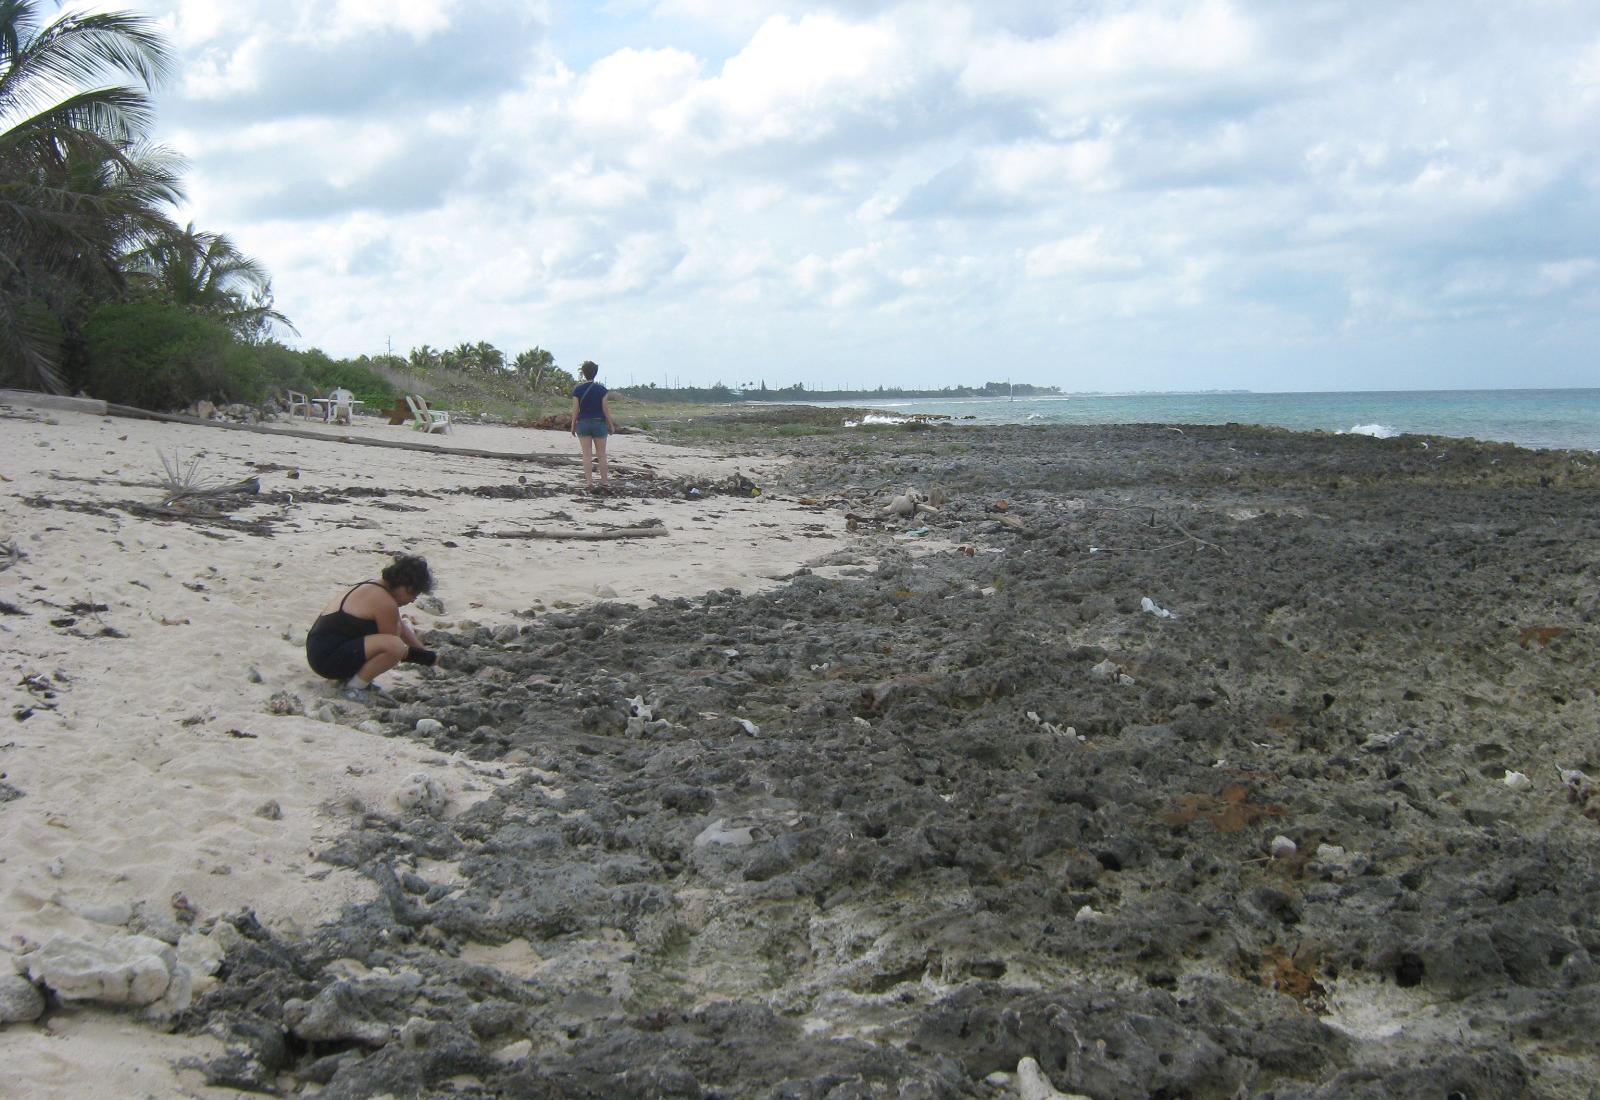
<point x="994" y="808"/>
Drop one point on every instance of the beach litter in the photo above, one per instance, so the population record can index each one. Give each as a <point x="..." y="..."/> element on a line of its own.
<point x="1517" y="781"/>
<point x="1150" y="607"/>
<point x="908" y="504"/>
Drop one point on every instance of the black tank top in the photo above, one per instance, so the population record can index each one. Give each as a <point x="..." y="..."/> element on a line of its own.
<point x="344" y="624"/>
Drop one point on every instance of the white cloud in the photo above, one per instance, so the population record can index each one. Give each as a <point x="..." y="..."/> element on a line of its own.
<point x="351" y="18"/>
<point x="883" y="185"/>
<point x="795" y="78"/>
<point x="1088" y="254"/>
<point x="634" y="95"/>
<point x="1565" y="274"/>
<point x="1157" y="50"/>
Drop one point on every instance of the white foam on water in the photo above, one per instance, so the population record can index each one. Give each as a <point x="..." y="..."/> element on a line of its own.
<point x="874" y="418"/>
<point x="1376" y="431"/>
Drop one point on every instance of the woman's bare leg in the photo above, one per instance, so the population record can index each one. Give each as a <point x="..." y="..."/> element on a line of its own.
<point x="383" y="653"/>
<point x="586" y="445"/>
<point x="600" y="452"/>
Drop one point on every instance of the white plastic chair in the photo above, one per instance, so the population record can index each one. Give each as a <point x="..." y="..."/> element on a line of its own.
<point x="340" y="409"/>
<point x="299" y="402"/>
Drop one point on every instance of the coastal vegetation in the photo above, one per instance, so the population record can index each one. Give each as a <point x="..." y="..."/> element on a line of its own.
<point x="102" y="292"/>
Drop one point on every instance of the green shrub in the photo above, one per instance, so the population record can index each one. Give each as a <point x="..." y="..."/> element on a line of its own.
<point x="156" y="356"/>
<point x="282" y="368"/>
<point x="324" y="375"/>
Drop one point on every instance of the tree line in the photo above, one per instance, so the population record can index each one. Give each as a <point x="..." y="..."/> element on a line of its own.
<point x="86" y="201"/>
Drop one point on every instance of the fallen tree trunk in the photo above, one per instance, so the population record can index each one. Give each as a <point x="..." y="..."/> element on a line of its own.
<point x="586" y="536"/>
<point x="300" y="433"/>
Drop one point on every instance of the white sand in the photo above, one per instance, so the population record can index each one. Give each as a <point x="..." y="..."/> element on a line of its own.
<point x="143" y="779"/>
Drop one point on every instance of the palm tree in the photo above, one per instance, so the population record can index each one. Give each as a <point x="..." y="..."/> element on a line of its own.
<point x="532" y="364"/>
<point x="75" y="184"/>
<point x="205" y="273"/>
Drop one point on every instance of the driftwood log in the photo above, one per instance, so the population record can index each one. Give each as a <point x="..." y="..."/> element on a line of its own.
<point x="643" y="532"/>
<point x="354" y="440"/>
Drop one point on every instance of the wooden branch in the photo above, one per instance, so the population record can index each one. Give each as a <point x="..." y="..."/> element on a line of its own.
<point x="585" y="536"/>
<point x="356" y="440"/>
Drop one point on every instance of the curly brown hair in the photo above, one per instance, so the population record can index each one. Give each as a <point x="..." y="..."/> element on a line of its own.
<point x="409" y="571"/>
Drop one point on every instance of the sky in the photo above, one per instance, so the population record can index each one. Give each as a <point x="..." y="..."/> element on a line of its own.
<point x="1091" y="194"/>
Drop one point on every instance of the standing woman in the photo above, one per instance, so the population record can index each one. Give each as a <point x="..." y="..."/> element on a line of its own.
<point x="360" y="635"/>
<point x="591" y="422"/>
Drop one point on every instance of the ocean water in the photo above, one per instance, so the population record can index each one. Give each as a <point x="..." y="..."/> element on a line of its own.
<point x="1529" y="418"/>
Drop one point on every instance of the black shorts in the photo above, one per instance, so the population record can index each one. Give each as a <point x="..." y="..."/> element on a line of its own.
<point x="335" y="656"/>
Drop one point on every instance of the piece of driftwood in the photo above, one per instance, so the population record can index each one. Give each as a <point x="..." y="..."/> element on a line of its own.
<point x="586" y="536"/>
<point x="355" y="440"/>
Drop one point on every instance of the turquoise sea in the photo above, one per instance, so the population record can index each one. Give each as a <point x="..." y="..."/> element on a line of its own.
<point x="1530" y="418"/>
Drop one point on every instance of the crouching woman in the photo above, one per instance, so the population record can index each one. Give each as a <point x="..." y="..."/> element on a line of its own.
<point x="360" y="635"/>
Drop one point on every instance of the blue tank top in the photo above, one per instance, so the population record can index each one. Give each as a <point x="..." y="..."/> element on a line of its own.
<point x="591" y="396"/>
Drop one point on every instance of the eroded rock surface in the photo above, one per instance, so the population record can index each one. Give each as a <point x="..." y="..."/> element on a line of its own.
<point x="995" y="809"/>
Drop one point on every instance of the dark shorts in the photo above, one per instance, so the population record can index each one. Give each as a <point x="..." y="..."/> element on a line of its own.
<point x="597" y="428"/>
<point x="335" y="656"/>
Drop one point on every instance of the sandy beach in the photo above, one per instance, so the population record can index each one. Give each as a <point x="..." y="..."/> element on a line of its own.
<point x="1225" y="763"/>
<point x="142" y="655"/>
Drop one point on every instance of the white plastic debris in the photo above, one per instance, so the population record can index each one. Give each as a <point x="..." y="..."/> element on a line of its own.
<point x="1087" y="913"/>
<point x="1517" y="781"/>
<point x="1151" y="607"/>
<point x="749" y="727"/>
<point x="1572" y="777"/>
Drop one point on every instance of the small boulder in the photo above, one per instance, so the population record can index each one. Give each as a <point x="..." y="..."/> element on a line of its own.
<point x="719" y="833"/>
<point x="20" y="1000"/>
<point x="423" y="793"/>
<point x="131" y="970"/>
